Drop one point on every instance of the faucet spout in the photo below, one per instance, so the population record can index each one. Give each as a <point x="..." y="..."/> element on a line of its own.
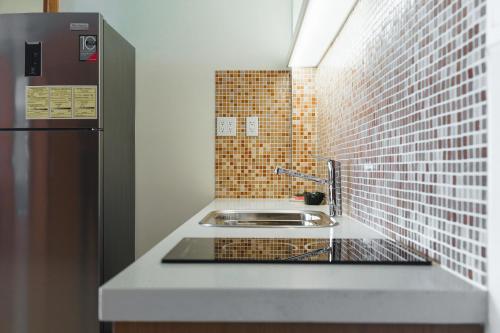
<point x="331" y="182"/>
<point x="292" y="173"/>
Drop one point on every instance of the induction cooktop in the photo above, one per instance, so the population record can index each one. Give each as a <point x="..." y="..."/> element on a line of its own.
<point x="293" y="251"/>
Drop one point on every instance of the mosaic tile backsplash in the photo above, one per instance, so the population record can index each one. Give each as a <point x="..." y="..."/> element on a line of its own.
<point x="402" y="105"/>
<point x="304" y="133"/>
<point x="285" y="103"/>
<point x="244" y="164"/>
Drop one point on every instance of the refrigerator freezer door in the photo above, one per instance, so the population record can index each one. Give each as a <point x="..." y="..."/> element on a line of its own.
<point x="43" y="49"/>
<point x="49" y="221"/>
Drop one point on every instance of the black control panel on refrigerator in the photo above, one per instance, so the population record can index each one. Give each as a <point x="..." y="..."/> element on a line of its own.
<point x="33" y="59"/>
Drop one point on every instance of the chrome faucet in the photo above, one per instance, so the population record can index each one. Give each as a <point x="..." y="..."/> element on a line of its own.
<point x="334" y="204"/>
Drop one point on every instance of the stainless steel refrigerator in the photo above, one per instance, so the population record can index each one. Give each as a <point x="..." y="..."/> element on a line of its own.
<point x="67" y="101"/>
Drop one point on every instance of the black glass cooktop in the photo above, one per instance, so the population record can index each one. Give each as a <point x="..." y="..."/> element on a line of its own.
<point x="293" y="251"/>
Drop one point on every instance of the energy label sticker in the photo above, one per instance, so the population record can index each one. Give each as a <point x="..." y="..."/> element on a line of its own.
<point x="61" y="102"/>
<point x="37" y="102"/>
<point x="85" y="102"/>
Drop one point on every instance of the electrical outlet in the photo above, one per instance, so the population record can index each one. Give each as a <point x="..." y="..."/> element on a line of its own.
<point x="252" y="126"/>
<point x="226" y="126"/>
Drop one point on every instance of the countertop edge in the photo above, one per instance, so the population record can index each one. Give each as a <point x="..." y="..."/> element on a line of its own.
<point x="315" y="306"/>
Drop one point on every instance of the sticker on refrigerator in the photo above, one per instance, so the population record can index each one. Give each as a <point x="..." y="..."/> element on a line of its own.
<point x="61" y="102"/>
<point x="85" y="102"/>
<point x="37" y="102"/>
<point x="88" y="48"/>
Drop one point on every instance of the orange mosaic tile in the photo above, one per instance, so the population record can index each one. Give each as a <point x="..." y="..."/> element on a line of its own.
<point x="304" y="134"/>
<point x="244" y="164"/>
<point x="285" y="103"/>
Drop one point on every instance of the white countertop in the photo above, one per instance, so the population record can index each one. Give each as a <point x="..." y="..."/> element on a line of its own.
<point x="151" y="291"/>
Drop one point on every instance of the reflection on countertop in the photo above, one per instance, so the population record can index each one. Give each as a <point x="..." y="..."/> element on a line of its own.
<point x="293" y="250"/>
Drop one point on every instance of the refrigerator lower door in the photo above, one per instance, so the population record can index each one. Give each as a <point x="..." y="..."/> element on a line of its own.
<point x="49" y="222"/>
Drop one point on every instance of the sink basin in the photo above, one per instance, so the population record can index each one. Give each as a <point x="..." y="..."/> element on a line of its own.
<point x="271" y="219"/>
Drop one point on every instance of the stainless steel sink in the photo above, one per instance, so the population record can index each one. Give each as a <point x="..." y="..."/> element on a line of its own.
<point x="270" y="219"/>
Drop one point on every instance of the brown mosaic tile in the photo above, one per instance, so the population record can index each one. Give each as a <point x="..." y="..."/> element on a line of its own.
<point x="402" y="105"/>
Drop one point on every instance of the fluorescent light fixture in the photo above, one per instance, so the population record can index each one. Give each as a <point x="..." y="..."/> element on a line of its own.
<point x="321" y="23"/>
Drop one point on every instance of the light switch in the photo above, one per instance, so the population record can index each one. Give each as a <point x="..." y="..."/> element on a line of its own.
<point x="226" y="126"/>
<point x="252" y="126"/>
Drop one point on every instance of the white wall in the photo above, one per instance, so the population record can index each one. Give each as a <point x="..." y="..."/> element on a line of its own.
<point x="493" y="38"/>
<point x="20" y="6"/>
<point x="296" y="7"/>
<point x="179" y="44"/>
